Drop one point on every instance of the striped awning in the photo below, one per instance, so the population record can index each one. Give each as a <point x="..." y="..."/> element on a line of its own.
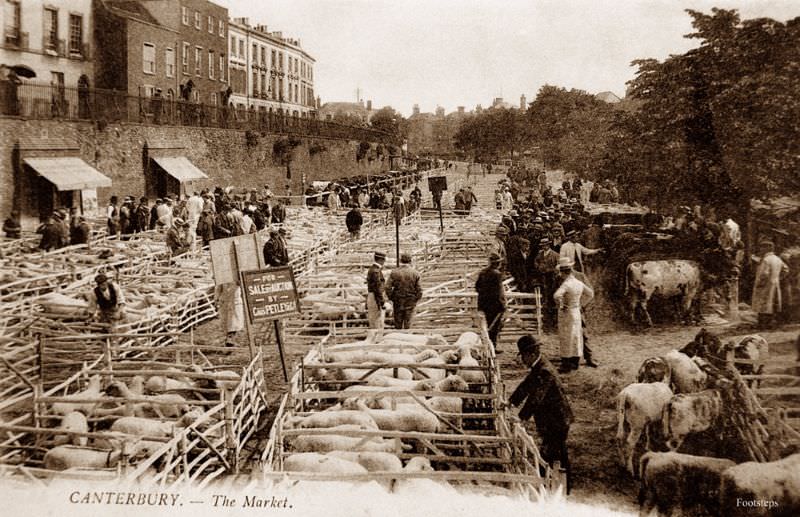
<point x="180" y="168"/>
<point x="68" y="173"/>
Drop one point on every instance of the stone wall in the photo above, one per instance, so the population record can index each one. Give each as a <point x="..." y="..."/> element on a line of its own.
<point x="229" y="157"/>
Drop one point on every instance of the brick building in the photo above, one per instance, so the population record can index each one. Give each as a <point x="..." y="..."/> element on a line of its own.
<point x="204" y="49"/>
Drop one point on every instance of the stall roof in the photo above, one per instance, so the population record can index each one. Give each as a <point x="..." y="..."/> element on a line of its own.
<point x="68" y="173"/>
<point x="180" y="168"/>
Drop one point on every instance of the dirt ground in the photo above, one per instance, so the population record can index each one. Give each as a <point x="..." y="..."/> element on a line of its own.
<point x="598" y="477"/>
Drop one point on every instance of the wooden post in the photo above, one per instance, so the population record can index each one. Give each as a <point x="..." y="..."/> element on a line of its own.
<point x="251" y="340"/>
<point x="733" y="298"/>
<point x="279" y="341"/>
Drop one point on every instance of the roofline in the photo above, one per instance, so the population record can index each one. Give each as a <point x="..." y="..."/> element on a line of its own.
<point x="271" y="39"/>
<point x="121" y="13"/>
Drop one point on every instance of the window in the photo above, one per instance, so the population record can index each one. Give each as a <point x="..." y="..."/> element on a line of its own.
<point x="149" y="58"/>
<point x="197" y="20"/>
<point x="263" y="56"/>
<point x="280" y="61"/>
<point x="75" y="34"/>
<point x="274" y="63"/>
<point x="198" y="60"/>
<point x="296" y="95"/>
<point x="264" y="84"/>
<point x="13" y="18"/>
<point x="211" y="64"/>
<point x="254" y="55"/>
<point x="221" y="29"/>
<point x="50" y="29"/>
<point x="185" y="15"/>
<point x="274" y="89"/>
<point x="185" y="58"/>
<point x="148" y="90"/>
<point x="233" y="45"/>
<point x="222" y="67"/>
<point x="255" y="83"/>
<point x="241" y="49"/>
<point x="169" y="62"/>
<point x="210" y="25"/>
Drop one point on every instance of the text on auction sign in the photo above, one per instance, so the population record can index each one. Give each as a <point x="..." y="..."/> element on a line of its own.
<point x="270" y="293"/>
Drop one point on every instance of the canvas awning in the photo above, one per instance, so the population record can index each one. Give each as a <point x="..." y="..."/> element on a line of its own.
<point x="68" y="173"/>
<point x="180" y="168"/>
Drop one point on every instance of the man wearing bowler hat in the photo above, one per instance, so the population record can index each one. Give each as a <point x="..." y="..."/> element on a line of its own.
<point x="545" y="401"/>
<point x="376" y="300"/>
<point x="570" y="297"/>
<point x="492" y="297"/>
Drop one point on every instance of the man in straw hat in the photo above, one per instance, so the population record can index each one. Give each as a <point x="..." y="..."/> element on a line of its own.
<point x="569" y="298"/>
<point x="546" y="401"/>
<point x="766" y="301"/>
<point x="492" y="297"/>
<point x="176" y="238"/>
<point x="376" y="300"/>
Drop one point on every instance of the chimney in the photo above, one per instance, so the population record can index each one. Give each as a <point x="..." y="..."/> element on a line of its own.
<point x="415" y="110"/>
<point x="369" y="105"/>
<point x="278" y="34"/>
<point x="460" y="110"/>
<point x="523" y="102"/>
<point x="242" y="21"/>
<point x="262" y="29"/>
<point x="439" y="111"/>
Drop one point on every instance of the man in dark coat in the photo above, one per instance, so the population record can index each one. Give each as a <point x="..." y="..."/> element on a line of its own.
<point x="492" y="297"/>
<point x="545" y="401"/>
<point x="80" y="232"/>
<point x="404" y="291"/>
<point x="518" y="250"/>
<point x="52" y="235"/>
<point x="353" y="220"/>
<point x="11" y="227"/>
<point x="275" y="252"/>
<point x="376" y="301"/>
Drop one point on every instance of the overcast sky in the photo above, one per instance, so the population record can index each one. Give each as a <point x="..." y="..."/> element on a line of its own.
<point x="466" y="52"/>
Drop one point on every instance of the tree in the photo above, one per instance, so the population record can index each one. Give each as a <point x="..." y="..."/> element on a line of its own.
<point x="347" y="119"/>
<point x="389" y="121"/>
<point x="491" y="134"/>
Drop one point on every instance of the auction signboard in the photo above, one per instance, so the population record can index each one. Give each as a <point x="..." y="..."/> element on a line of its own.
<point x="270" y="293"/>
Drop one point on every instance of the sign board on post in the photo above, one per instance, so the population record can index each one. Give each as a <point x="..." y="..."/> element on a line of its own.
<point x="437" y="183"/>
<point x="270" y="294"/>
<point x="224" y="259"/>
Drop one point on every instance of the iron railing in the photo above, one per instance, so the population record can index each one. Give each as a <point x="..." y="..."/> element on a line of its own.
<point x="40" y="101"/>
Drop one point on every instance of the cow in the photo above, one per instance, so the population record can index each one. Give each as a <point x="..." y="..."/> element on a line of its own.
<point x="666" y="278"/>
<point x="688" y="413"/>
<point x="654" y="369"/>
<point x="762" y="489"/>
<point x="687" y="376"/>
<point x="638" y="406"/>
<point x="672" y="481"/>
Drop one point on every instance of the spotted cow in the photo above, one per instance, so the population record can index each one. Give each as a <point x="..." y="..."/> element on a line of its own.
<point x="665" y="278"/>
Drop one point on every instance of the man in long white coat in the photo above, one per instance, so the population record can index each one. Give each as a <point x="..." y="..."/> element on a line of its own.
<point x="570" y="297"/>
<point x="767" y="289"/>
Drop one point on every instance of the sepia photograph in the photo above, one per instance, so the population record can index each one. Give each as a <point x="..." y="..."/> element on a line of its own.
<point x="337" y="258"/>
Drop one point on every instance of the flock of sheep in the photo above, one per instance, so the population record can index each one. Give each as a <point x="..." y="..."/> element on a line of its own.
<point x="100" y="426"/>
<point x="408" y="383"/>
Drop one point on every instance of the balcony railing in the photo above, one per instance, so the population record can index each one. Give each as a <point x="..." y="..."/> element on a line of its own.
<point x="39" y="101"/>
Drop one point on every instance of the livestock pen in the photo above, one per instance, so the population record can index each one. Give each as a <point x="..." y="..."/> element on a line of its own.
<point x="476" y="446"/>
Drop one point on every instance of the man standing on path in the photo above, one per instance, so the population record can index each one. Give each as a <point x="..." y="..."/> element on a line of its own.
<point x="106" y="301"/>
<point x="569" y="298"/>
<point x="492" y="297"/>
<point x="575" y="251"/>
<point x="766" y="301"/>
<point x="353" y="220"/>
<point x="376" y="303"/>
<point x="404" y="291"/>
<point x="194" y="208"/>
<point x="545" y="401"/>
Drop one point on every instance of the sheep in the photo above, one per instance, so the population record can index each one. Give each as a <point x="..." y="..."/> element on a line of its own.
<point x="226" y="379"/>
<point x="335" y="442"/>
<point x="416" y="486"/>
<point x="65" y="457"/>
<point x="466" y="359"/>
<point x="316" y="462"/>
<point x="687" y="377"/>
<point x="160" y="384"/>
<point x="332" y="419"/>
<point x="76" y="422"/>
<point x="372" y="461"/>
<point x="434" y="340"/>
<point x="92" y="391"/>
<point x="468" y="339"/>
<point x="143" y="427"/>
<point x="435" y="374"/>
<point x="165" y="405"/>
<point x="405" y="418"/>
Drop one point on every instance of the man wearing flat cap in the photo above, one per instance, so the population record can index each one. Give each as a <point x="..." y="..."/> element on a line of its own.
<point x="106" y="301"/>
<point x="570" y="297"/>
<point x="376" y="300"/>
<point x="404" y="291"/>
<point x="176" y="238"/>
<point x="275" y="252"/>
<point x="546" y="401"/>
<point x="492" y="297"/>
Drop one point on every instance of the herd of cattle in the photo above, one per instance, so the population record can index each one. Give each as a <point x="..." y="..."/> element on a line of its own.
<point x="680" y="403"/>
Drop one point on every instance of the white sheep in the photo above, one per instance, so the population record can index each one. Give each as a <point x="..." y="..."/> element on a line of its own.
<point x="143" y="427"/>
<point x="406" y="418"/>
<point x="75" y="422"/>
<point x="66" y="457"/>
<point x="165" y="405"/>
<point x="434" y="374"/>
<point x="468" y="339"/>
<point x="92" y="391"/>
<point x="316" y="462"/>
<point x="334" y="442"/>
<point x="372" y="461"/>
<point x="465" y="359"/>
<point x="161" y="383"/>
<point x="332" y="419"/>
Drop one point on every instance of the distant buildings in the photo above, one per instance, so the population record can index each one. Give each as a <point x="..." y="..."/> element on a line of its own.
<point x="348" y="110"/>
<point x="270" y="73"/>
